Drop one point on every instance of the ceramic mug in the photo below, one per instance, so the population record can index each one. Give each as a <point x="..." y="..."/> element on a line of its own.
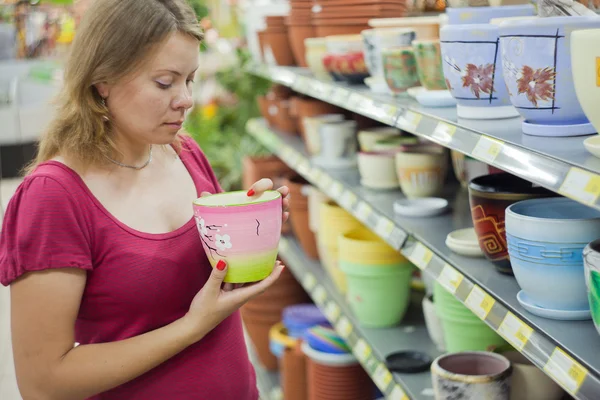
<point x="338" y="139"/>
<point x="585" y="69"/>
<point x="471" y="375"/>
<point x="429" y="64"/>
<point x="400" y="68"/>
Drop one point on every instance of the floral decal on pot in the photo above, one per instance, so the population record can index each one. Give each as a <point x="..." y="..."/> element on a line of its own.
<point x="479" y="78"/>
<point x="537" y="84"/>
<point x="223" y="242"/>
<point x="213" y="242"/>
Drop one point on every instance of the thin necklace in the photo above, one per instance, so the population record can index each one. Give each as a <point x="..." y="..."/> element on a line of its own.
<point x="133" y="166"/>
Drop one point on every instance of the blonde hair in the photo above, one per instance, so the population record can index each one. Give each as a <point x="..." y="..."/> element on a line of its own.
<point x="115" y="37"/>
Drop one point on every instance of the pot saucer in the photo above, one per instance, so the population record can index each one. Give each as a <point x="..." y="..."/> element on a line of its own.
<point x="592" y="144"/>
<point x="464" y="242"/>
<point x="432" y="98"/>
<point x="335" y="163"/>
<point x="421" y="207"/>
<point x="558" y="130"/>
<point x="561" y="315"/>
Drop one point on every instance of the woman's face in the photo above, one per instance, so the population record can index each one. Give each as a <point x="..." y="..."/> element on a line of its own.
<point x="149" y="106"/>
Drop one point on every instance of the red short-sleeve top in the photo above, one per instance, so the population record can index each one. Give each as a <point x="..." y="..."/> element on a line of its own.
<point x="136" y="282"/>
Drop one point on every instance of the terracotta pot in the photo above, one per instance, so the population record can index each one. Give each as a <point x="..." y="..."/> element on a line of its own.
<point x="280" y="92"/>
<point x="279" y="45"/>
<point x="342" y="21"/>
<point x="263" y="106"/>
<point x="293" y="374"/>
<point x="351" y="382"/>
<point x="330" y="29"/>
<point x="299" y="190"/>
<point x="282" y="118"/>
<point x="372" y="11"/>
<point x="259" y="335"/>
<point x="261" y="43"/>
<point x="297" y="33"/>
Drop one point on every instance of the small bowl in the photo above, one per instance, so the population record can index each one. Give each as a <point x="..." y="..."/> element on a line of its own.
<point x="243" y="231"/>
<point x="419" y="208"/>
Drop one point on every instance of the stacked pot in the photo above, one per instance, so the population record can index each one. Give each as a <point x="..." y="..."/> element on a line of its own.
<point x="264" y="311"/>
<point x="300" y="28"/>
<point x="334" y="222"/>
<point x="463" y="330"/>
<point x="378" y="278"/>
<point x="334" y="374"/>
<point x="274" y="42"/>
<point x="276" y="109"/>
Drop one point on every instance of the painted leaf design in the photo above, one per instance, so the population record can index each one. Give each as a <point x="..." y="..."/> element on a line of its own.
<point x="537" y="84"/>
<point x="479" y="78"/>
<point x="595" y="283"/>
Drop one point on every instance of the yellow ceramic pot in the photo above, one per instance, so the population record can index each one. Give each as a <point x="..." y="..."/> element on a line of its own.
<point x="585" y="66"/>
<point x="361" y="246"/>
<point x="421" y="170"/>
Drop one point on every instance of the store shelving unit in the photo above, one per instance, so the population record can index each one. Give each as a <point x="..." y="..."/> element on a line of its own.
<point x="567" y="351"/>
<point x="267" y="381"/>
<point x="559" y="164"/>
<point x="370" y="346"/>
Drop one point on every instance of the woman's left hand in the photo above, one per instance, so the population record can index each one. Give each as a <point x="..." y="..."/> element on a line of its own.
<point x="265" y="184"/>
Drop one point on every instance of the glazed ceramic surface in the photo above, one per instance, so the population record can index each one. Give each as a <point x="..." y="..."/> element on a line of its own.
<point x="483" y="15"/>
<point x="428" y="56"/>
<point x="585" y="70"/>
<point x="343" y="44"/>
<point x="536" y="58"/>
<point x="368" y="137"/>
<point x="349" y="67"/>
<point x="311" y="130"/>
<point x="338" y="139"/>
<point x="400" y="68"/>
<point x="421" y="171"/>
<point x="489" y="196"/>
<point x="244" y="231"/>
<point x="591" y="255"/>
<point x="375" y="40"/>
<point x="433" y="324"/>
<point x="473" y="71"/>
<point x="316" y="48"/>
<point x="394" y="143"/>
<point x="471" y="375"/>
<point x="546" y="238"/>
<point x="378" y="170"/>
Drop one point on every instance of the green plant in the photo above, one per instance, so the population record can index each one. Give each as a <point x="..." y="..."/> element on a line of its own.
<point x="222" y="134"/>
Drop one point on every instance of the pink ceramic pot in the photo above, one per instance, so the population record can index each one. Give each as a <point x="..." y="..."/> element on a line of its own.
<point x="243" y="231"/>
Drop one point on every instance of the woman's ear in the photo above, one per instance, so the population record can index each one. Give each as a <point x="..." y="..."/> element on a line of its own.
<point x="102" y="89"/>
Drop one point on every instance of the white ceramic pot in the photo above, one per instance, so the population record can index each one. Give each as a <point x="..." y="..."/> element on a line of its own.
<point x="368" y="137"/>
<point x="338" y="140"/>
<point x="434" y="324"/>
<point x="421" y="171"/>
<point x="546" y="238"/>
<point x="316" y="48"/>
<point x="311" y="130"/>
<point x="378" y="170"/>
<point x="380" y="38"/>
<point x="529" y="382"/>
<point x="585" y="70"/>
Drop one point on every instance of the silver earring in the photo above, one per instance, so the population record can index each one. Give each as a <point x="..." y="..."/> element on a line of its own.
<point x="103" y="102"/>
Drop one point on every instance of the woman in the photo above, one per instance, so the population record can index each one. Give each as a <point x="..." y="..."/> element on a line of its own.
<point x="98" y="243"/>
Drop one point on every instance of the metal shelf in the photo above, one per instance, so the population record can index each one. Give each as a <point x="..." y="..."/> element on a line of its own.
<point x="370" y="346"/>
<point x="559" y="164"/>
<point x="267" y="381"/>
<point x="567" y="351"/>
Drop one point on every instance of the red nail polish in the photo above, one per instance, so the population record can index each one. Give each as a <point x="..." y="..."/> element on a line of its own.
<point x="221" y="265"/>
<point x="250" y="193"/>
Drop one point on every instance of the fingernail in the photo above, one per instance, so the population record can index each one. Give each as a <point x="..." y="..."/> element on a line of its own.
<point x="221" y="265"/>
<point x="250" y="193"/>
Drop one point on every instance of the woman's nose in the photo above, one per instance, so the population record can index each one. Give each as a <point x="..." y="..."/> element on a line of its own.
<point x="184" y="99"/>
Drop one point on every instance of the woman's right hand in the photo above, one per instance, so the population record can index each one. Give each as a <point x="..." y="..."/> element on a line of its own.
<point x="217" y="301"/>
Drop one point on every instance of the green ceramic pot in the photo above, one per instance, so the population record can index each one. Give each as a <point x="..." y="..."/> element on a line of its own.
<point x="463" y="331"/>
<point x="400" y="68"/>
<point x="429" y="64"/>
<point x="378" y="294"/>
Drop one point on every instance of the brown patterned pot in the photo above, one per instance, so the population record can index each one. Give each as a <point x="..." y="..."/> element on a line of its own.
<point x="489" y="196"/>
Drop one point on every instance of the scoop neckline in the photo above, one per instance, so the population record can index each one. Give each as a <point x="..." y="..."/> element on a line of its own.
<point x="145" y="235"/>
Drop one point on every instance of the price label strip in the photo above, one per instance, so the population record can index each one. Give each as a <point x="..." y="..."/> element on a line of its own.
<point x="301" y="84"/>
<point x="355" y="101"/>
<point x="480" y="302"/>
<point x="309" y="281"/>
<point x="344" y="327"/>
<point x="325" y="182"/>
<point x="332" y="311"/>
<point x="409" y="121"/>
<point x="364" y="211"/>
<point x="444" y="132"/>
<point x="487" y="149"/>
<point x="315" y="174"/>
<point x="339" y="96"/>
<point x="421" y="256"/>
<point x="581" y="185"/>
<point x="398" y="394"/>
<point x="450" y="278"/>
<point x="384" y="227"/>
<point x="348" y="199"/>
<point x="362" y="351"/>
<point x="304" y="167"/>
<point x="336" y="190"/>
<point x="515" y="331"/>
<point x="320" y="295"/>
<point x="568" y="372"/>
<point x="390" y="111"/>
<point x="382" y="377"/>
